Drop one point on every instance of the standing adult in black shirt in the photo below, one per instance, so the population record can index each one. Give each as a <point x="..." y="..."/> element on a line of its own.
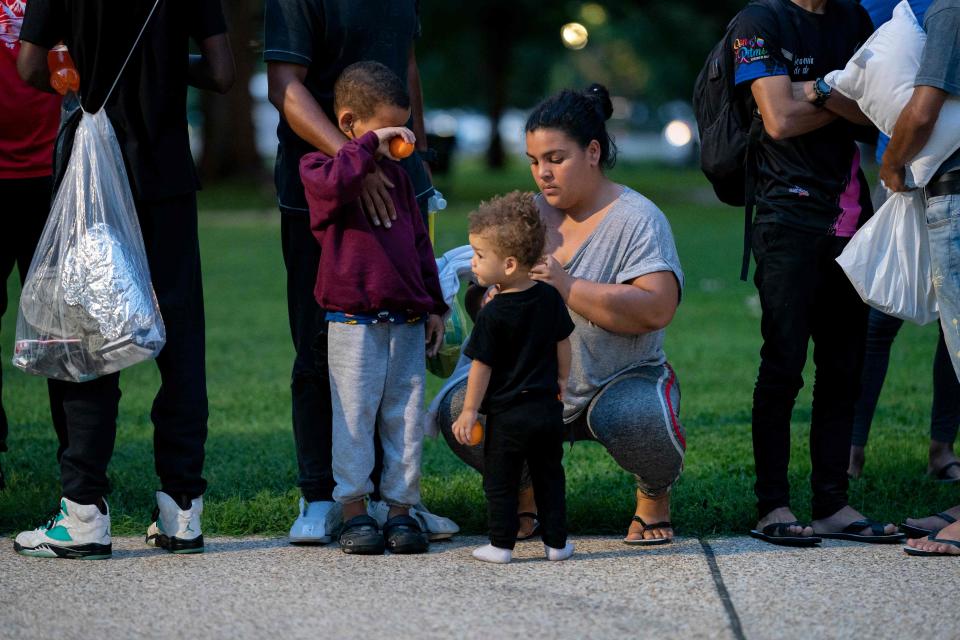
<point x="308" y="44"/>
<point x="148" y="111"/>
<point x="811" y="198"/>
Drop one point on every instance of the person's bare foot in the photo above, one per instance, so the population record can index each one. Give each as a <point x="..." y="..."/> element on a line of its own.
<point x="526" y="504"/>
<point x="857" y="460"/>
<point x="844" y="518"/>
<point x="651" y="510"/>
<point x="784" y="514"/>
<point x="934" y="523"/>
<point x="941" y="458"/>
<point x="950" y="532"/>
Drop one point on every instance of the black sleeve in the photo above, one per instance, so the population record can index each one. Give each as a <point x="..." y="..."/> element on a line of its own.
<point x="565" y="324"/>
<point x="207" y="20"/>
<point x="756" y="45"/>
<point x="483" y="340"/>
<point x="45" y="23"/>
<point x="290" y="30"/>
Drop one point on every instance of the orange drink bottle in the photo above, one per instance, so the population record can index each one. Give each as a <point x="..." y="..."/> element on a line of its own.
<point x="63" y="73"/>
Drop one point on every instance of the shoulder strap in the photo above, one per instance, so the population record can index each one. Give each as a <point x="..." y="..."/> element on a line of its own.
<point x="136" y="43"/>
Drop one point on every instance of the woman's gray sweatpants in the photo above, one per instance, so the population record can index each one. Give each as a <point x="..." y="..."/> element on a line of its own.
<point x="377" y="374"/>
<point x="636" y="416"/>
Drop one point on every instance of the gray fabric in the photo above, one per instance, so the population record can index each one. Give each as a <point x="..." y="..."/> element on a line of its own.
<point x="631" y="416"/>
<point x="377" y="377"/>
<point x="634" y="239"/>
<point x="940" y="65"/>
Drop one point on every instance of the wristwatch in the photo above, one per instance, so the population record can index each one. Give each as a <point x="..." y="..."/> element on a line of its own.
<point x="823" y="91"/>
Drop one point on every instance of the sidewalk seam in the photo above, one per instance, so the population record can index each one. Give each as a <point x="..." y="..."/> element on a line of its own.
<point x="732" y="616"/>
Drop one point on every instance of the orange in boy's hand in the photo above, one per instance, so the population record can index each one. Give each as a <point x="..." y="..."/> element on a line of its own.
<point x="476" y="434"/>
<point x="400" y="148"/>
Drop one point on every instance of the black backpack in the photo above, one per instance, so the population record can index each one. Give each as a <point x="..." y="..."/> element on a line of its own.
<point x="729" y="130"/>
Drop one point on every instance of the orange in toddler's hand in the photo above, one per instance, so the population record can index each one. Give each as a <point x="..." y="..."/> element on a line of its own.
<point x="400" y="148"/>
<point x="476" y="434"/>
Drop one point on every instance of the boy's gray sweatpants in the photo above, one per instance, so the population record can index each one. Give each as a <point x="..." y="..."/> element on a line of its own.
<point x="377" y="374"/>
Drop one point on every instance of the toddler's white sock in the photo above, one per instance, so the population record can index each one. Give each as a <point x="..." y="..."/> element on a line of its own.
<point x="490" y="553"/>
<point x="558" y="554"/>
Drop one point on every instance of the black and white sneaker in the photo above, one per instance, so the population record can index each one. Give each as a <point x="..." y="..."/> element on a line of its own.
<point x="174" y="529"/>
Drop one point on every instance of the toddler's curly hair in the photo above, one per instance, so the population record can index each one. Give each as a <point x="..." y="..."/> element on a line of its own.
<point x="512" y="224"/>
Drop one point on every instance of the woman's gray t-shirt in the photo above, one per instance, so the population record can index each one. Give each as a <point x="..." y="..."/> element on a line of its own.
<point x="634" y="239"/>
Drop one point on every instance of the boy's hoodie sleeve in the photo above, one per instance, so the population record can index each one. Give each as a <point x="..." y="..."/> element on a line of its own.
<point x="330" y="183"/>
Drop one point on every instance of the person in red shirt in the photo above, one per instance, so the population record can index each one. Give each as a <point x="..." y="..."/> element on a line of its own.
<point x="28" y="127"/>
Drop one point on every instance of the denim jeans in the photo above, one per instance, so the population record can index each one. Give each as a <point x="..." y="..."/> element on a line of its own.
<point x="943" y="225"/>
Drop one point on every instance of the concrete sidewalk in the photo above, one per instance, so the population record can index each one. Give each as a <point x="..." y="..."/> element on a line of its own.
<point x="265" y="588"/>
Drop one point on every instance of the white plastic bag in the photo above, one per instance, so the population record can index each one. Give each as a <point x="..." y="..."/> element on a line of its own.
<point x="888" y="260"/>
<point x="88" y="307"/>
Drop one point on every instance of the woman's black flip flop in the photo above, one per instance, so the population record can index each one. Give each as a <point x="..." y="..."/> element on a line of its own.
<point x="776" y="533"/>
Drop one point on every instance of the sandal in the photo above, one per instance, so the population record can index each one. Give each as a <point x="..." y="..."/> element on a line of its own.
<point x="919" y="532"/>
<point x="876" y="535"/>
<point x="942" y="475"/>
<point x="666" y="524"/>
<point x="404" y="535"/>
<point x="361" y="536"/>
<point x="776" y="533"/>
<point x="921" y="552"/>
<point x="536" y="526"/>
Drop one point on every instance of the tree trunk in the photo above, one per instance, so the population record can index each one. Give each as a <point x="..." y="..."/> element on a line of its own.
<point x="498" y="47"/>
<point x="229" y="143"/>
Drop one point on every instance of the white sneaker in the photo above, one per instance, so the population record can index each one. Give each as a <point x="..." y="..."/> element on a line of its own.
<point x="437" y="527"/>
<point x="74" y="531"/>
<point x="316" y="523"/>
<point x="175" y="529"/>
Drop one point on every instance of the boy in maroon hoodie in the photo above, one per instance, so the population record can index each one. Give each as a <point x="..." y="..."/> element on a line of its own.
<point x="380" y="288"/>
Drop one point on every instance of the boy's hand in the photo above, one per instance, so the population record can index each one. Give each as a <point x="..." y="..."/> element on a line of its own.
<point x="434" y="334"/>
<point x="562" y="383"/>
<point x="463" y="426"/>
<point x="387" y="134"/>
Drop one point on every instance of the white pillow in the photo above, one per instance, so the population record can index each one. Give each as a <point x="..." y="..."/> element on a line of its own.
<point x="880" y="78"/>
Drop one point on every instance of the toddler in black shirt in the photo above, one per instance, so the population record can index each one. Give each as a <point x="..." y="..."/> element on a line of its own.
<point x="521" y="359"/>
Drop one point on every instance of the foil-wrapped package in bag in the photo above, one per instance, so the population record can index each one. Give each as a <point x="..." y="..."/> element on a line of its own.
<point x="87" y="307"/>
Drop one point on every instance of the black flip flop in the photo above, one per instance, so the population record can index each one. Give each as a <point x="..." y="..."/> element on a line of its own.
<point x="919" y="532"/>
<point x="920" y="552"/>
<point x="649" y="542"/>
<point x="852" y="532"/>
<point x="776" y="533"/>
<point x="361" y="536"/>
<point x="404" y="535"/>
<point x="536" y="526"/>
<point x="941" y="475"/>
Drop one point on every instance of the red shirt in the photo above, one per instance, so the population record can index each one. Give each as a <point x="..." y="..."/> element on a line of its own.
<point x="28" y="118"/>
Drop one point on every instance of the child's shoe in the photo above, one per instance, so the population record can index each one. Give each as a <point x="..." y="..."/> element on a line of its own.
<point x="436" y="527"/>
<point x="316" y="523"/>
<point x="174" y="529"/>
<point x="79" y="531"/>
<point x="360" y="535"/>
<point x="404" y="535"/>
<point x="558" y="554"/>
<point x="490" y="553"/>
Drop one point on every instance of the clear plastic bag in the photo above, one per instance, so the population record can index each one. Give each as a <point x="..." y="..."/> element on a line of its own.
<point x="87" y="307"/>
<point x="888" y="260"/>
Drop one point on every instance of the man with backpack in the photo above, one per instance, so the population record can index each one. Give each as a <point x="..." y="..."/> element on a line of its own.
<point x="811" y="196"/>
<point x="133" y="60"/>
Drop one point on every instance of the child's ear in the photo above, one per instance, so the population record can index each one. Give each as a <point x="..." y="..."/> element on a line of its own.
<point x="510" y="265"/>
<point x="346" y="120"/>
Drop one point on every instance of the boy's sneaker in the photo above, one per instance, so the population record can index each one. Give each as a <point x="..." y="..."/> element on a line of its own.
<point x="174" y="529"/>
<point x="74" y="530"/>
<point x="316" y="523"/>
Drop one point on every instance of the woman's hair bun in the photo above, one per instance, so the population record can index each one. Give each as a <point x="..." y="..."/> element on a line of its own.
<point x="599" y="93"/>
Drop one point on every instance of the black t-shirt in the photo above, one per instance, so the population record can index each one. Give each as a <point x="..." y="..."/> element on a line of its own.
<point x="517" y="334"/>
<point x="813" y="181"/>
<point x="148" y="108"/>
<point x="327" y="36"/>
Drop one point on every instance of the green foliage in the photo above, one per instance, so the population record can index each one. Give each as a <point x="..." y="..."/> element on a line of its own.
<point x="251" y="467"/>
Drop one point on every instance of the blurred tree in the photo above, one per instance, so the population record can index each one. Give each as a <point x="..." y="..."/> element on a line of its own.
<point x="229" y="140"/>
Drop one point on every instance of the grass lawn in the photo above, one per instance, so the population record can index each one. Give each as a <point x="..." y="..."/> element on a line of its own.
<point x="713" y="344"/>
